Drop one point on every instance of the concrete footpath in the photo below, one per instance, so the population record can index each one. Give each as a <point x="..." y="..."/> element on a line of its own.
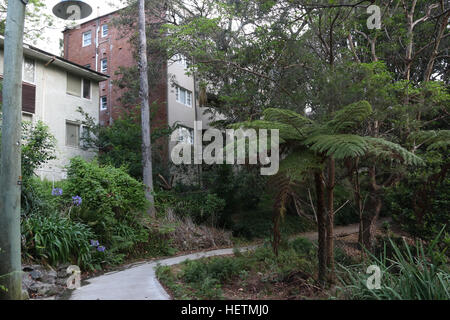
<point x="139" y="282"/>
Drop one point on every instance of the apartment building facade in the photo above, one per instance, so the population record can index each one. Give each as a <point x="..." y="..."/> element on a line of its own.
<point x="53" y="89"/>
<point x="98" y="44"/>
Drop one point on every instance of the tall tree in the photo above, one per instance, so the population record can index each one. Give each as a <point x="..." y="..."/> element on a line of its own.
<point x="147" y="169"/>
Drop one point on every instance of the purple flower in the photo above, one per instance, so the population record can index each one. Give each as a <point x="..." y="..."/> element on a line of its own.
<point x="77" y="200"/>
<point x="101" y="249"/>
<point x="57" y="192"/>
<point x="95" y="243"/>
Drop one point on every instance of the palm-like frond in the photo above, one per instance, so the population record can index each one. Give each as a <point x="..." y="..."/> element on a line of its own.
<point x="287" y="132"/>
<point x="387" y="150"/>
<point x="434" y="140"/>
<point x="299" y="164"/>
<point x="289" y="117"/>
<point x="350" y="116"/>
<point x="340" y="146"/>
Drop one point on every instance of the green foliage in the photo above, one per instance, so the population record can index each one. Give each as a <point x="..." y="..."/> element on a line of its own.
<point x="120" y="144"/>
<point x="36" y="197"/>
<point x="38" y="146"/>
<point x="203" y="279"/>
<point x="200" y="206"/>
<point x="113" y="203"/>
<point x="56" y="239"/>
<point x="340" y="146"/>
<point x="407" y="275"/>
<point x="350" y="117"/>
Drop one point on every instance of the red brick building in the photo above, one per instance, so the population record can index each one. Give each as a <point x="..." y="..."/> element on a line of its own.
<point x="98" y="45"/>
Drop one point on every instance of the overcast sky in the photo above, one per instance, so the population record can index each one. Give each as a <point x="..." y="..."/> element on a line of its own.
<point x="52" y="35"/>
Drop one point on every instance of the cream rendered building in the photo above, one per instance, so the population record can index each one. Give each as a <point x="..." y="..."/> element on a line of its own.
<point x="53" y="89"/>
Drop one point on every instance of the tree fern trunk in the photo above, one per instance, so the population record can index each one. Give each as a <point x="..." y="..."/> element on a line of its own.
<point x="321" y="223"/>
<point x="370" y="222"/>
<point x="330" y="220"/>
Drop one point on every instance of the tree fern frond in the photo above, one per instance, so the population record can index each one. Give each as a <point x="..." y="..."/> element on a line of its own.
<point x="387" y="150"/>
<point x="299" y="164"/>
<point x="434" y="140"/>
<point x="339" y="146"/>
<point x="350" y="116"/>
<point x="289" y="117"/>
<point x="287" y="132"/>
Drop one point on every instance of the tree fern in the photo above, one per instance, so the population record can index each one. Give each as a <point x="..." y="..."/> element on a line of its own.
<point x="292" y="118"/>
<point x="339" y="146"/>
<point x="434" y="140"/>
<point x="287" y="132"/>
<point x="350" y="117"/>
<point x="387" y="150"/>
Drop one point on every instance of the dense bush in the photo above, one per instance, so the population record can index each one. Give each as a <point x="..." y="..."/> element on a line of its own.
<point x="56" y="239"/>
<point x="200" y="206"/>
<point x="113" y="203"/>
<point x="410" y="274"/>
<point x="426" y="226"/>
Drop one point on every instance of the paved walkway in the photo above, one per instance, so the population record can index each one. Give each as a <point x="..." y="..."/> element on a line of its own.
<point x="139" y="282"/>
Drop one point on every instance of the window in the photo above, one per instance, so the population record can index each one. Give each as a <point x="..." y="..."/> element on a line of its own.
<point x="184" y="96"/>
<point x="72" y="134"/>
<point x="104" y="30"/>
<point x="104" y="63"/>
<point x="103" y="103"/>
<point x="86" y="89"/>
<point x="87" y="39"/>
<point x="28" y="70"/>
<point x="28" y="117"/>
<point x="73" y="85"/>
<point x="185" y="135"/>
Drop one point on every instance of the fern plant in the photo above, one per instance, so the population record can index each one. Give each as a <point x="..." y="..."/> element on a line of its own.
<point x="313" y="146"/>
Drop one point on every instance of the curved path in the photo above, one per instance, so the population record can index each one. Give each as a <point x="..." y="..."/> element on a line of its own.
<point x="139" y="282"/>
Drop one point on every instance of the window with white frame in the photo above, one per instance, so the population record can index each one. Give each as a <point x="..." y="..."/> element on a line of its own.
<point x="104" y="65"/>
<point x="87" y="38"/>
<point x="184" y="96"/>
<point x="185" y="135"/>
<point x="72" y="134"/>
<point x="28" y="70"/>
<point x="103" y="103"/>
<point x="104" y="30"/>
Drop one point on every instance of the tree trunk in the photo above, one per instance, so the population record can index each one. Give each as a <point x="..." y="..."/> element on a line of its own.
<point x="370" y="219"/>
<point x="330" y="220"/>
<point x="321" y="223"/>
<point x="145" y="111"/>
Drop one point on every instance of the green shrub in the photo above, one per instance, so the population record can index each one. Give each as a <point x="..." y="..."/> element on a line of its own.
<point x="303" y="247"/>
<point x="201" y="206"/>
<point x="56" y="239"/>
<point x="113" y="203"/>
<point x="407" y="275"/>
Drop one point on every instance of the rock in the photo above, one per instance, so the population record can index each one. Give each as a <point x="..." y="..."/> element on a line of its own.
<point x="36" y="275"/>
<point x="49" y="277"/>
<point x="44" y="289"/>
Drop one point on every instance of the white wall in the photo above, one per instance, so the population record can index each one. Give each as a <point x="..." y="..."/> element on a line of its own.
<point x="54" y="107"/>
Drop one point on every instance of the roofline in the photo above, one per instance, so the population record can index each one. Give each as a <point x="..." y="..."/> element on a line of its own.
<point x="96" y="75"/>
<point x="93" y="19"/>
